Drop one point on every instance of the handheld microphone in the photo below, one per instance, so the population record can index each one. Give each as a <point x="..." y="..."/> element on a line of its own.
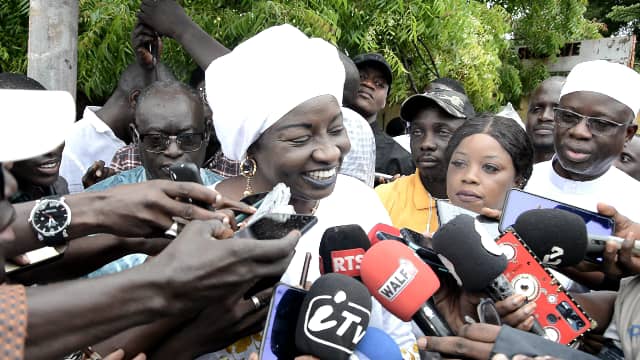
<point x="377" y="345"/>
<point x="333" y="318"/>
<point x="598" y="242"/>
<point x="383" y="232"/>
<point x="476" y="260"/>
<point x="557" y="237"/>
<point x="402" y="284"/>
<point x="342" y="249"/>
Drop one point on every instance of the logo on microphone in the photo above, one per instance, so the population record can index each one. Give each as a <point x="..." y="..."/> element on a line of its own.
<point x="399" y="280"/>
<point x="334" y="321"/>
<point x="347" y="262"/>
<point x="555" y="257"/>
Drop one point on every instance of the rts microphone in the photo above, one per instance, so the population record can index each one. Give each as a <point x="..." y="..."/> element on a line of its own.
<point x="377" y="345"/>
<point x="557" y="237"/>
<point x="333" y="318"/>
<point x="403" y="284"/>
<point x="476" y="260"/>
<point x="342" y="249"/>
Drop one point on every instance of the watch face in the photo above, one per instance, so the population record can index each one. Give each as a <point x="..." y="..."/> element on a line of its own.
<point x="50" y="217"/>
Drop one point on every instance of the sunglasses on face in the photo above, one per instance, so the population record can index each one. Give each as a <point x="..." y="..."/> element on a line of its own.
<point x="158" y="143"/>
<point x="567" y="119"/>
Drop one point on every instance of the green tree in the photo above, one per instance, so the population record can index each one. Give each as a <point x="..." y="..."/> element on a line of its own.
<point x="462" y="39"/>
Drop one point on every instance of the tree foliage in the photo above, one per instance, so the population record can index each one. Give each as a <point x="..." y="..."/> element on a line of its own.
<point x="462" y="39"/>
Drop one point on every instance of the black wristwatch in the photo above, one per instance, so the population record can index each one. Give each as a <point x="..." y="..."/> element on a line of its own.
<point x="50" y="218"/>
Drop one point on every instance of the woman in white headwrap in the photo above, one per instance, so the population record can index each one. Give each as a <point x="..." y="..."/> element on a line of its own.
<point x="276" y="107"/>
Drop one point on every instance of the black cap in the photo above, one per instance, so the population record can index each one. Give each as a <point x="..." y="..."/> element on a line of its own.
<point x="454" y="103"/>
<point x="378" y="61"/>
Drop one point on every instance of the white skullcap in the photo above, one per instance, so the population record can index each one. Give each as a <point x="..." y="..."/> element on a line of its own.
<point x="263" y="79"/>
<point x="614" y="80"/>
<point x="34" y="122"/>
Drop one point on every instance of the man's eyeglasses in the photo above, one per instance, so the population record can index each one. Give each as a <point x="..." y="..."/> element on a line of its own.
<point x="598" y="126"/>
<point x="159" y="143"/>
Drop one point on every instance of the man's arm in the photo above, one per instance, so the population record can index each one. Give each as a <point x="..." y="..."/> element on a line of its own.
<point x="169" y="19"/>
<point x="136" y="210"/>
<point x="68" y="316"/>
<point x="195" y="270"/>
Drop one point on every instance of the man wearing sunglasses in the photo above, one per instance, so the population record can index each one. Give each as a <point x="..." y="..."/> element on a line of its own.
<point x="595" y="117"/>
<point x="169" y="128"/>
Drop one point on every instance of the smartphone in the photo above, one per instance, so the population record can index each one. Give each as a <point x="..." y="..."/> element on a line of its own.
<point x="188" y="172"/>
<point x="422" y="247"/>
<point x="447" y="211"/>
<point x="561" y="317"/>
<point x="38" y="257"/>
<point x="254" y="200"/>
<point x="519" y="201"/>
<point x="280" y="327"/>
<point x="276" y="225"/>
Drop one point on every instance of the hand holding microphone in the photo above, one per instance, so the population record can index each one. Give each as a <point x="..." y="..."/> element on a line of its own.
<point x="478" y="264"/>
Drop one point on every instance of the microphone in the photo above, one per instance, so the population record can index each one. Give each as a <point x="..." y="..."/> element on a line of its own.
<point x="475" y="260"/>
<point x="342" y="249"/>
<point x="333" y="318"/>
<point x="598" y="242"/>
<point x="406" y="236"/>
<point x="402" y="284"/>
<point x="558" y="237"/>
<point x="377" y="345"/>
<point x="383" y="232"/>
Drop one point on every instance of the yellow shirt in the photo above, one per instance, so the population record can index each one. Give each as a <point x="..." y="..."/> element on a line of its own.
<point x="409" y="204"/>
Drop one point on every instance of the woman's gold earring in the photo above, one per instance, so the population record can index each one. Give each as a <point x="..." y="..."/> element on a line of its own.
<point x="248" y="168"/>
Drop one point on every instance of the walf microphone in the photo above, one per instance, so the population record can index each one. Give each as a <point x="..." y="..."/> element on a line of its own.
<point x="333" y="318"/>
<point x="476" y="261"/>
<point x="342" y="249"/>
<point x="403" y="284"/>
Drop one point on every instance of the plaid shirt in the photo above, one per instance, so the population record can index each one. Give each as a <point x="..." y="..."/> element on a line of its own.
<point x="360" y="162"/>
<point x="128" y="157"/>
<point x="13" y="321"/>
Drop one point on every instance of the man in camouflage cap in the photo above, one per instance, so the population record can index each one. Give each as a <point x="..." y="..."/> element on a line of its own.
<point x="432" y="117"/>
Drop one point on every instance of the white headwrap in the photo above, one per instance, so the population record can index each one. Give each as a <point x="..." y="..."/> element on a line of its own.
<point x="34" y="122"/>
<point x="266" y="77"/>
<point x="614" y="80"/>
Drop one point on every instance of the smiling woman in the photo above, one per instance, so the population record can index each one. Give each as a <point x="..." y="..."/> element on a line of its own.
<point x="487" y="156"/>
<point x="288" y="129"/>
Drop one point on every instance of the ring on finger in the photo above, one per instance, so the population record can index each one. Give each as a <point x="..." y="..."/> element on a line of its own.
<point x="256" y="302"/>
<point x="172" y="231"/>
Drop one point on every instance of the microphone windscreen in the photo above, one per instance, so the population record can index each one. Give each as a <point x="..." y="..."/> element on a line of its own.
<point x="558" y="237"/>
<point x="378" y="345"/>
<point x="397" y="278"/>
<point x="465" y="245"/>
<point x="378" y="232"/>
<point x="333" y="318"/>
<point x="342" y="249"/>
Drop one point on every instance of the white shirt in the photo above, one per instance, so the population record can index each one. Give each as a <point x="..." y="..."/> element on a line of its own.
<point x="351" y="202"/>
<point x="614" y="188"/>
<point x="90" y="140"/>
<point x="404" y="141"/>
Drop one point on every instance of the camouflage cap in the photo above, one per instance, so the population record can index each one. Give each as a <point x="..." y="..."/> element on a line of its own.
<point x="454" y="103"/>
